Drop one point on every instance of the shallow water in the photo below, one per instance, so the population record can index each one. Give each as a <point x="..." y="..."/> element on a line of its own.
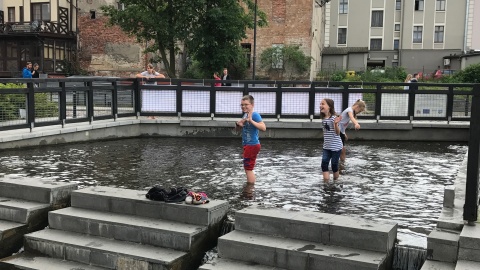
<point x="399" y="181"/>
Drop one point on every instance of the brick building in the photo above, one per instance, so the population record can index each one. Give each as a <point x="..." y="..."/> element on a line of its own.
<point x="290" y="22"/>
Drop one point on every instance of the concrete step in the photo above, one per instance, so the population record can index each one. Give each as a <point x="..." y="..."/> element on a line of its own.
<point x="149" y="231"/>
<point x="11" y="236"/>
<point x="434" y="265"/>
<point x="22" y="211"/>
<point x="469" y="244"/>
<point x="467" y="265"/>
<point x="103" y="252"/>
<point x="48" y="191"/>
<point x="317" y="227"/>
<point x="133" y="202"/>
<point x="442" y="245"/>
<point x="223" y="264"/>
<point x="26" y="262"/>
<point x="296" y="254"/>
<point x="451" y="218"/>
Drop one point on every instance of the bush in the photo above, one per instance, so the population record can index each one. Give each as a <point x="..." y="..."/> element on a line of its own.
<point x="471" y="74"/>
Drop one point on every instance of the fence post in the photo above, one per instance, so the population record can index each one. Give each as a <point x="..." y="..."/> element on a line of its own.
<point x="90" y="106"/>
<point x="62" y="98"/>
<point x="136" y="97"/>
<point x="115" y="100"/>
<point x="311" y="101"/>
<point x="470" y="209"/>
<point x="31" y="106"/>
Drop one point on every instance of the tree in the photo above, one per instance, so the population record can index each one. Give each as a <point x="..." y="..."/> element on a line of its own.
<point x="285" y="62"/>
<point x="210" y="29"/>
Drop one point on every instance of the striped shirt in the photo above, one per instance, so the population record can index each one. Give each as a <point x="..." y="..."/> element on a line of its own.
<point x="331" y="140"/>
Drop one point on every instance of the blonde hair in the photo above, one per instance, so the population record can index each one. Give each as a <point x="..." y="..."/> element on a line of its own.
<point x="409" y="76"/>
<point x="360" y="104"/>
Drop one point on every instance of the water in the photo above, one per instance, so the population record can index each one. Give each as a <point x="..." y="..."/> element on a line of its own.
<point x="399" y="181"/>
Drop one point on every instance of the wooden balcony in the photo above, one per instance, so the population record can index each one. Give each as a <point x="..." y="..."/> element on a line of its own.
<point x="41" y="27"/>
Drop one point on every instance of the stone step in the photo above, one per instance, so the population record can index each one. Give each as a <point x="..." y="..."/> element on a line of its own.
<point x="11" y="236"/>
<point x="451" y="218"/>
<point x="22" y="211"/>
<point x="467" y="265"/>
<point x="134" y="202"/>
<point x="223" y="264"/>
<point x="103" y="252"/>
<point x="469" y="244"/>
<point x="148" y="231"/>
<point x="296" y="254"/>
<point x="434" y="265"/>
<point x="442" y="245"/>
<point x="318" y="227"/>
<point x="26" y="262"/>
<point x="56" y="194"/>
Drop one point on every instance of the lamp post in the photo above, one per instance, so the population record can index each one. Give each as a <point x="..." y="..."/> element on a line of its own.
<point x="254" y="40"/>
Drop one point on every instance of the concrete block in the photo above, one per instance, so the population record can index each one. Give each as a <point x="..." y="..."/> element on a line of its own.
<point x="470" y="237"/>
<point x="449" y="196"/>
<point x="443" y="246"/>
<point x="295" y="254"/>
<point x="222" y="264"/>
<point x="466" y="265"/>
<point x="23" y="261"/>
<point x="23" y="211"/>
<point x="11" y="237"/>
<point x="434" y="265"/>
<point x="451" y="218"/>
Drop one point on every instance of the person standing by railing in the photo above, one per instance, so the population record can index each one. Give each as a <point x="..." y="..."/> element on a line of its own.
<point x="250" y="124"/>
<point x="149" y="74"/>
<point x="35" y="73"/>
<point x="217" y="78"/>
<point x="226" y="77"/>
<point x="27" y="71"/>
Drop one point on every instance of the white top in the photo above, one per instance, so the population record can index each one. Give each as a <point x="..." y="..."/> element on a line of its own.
<point x="345" y="119"/>
<point x="150" y="75"/>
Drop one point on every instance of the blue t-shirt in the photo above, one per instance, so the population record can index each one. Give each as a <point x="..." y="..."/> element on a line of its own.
<point x="250" y="132"/>
<point x="26" y="73"/>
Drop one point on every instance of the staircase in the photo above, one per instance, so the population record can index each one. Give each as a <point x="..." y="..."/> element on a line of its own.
<point x="279" y="239"/>
<point x="112" y="228"/>
<point x="24" y="206"/>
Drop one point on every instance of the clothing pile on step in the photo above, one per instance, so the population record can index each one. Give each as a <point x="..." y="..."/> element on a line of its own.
<point x="176" y="195"/>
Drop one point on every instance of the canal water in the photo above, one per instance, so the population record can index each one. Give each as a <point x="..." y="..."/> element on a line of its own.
<point x="399" y="181"/>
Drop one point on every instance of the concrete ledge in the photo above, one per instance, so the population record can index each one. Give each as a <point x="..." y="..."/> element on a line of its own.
<point x="443" y="246"/>
<point x="449" y="196"/>
<point x="469" y="244"/>
<point x="433" y="265"/>
<point x="11" y="236"/>
<point x="467" y="265"/>
<point x="21" y="262"/>
<point x="224" y="264"/>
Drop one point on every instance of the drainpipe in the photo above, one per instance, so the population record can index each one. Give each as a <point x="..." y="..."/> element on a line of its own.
<point x="400" y="46"/>
<point x="466" y="27"/>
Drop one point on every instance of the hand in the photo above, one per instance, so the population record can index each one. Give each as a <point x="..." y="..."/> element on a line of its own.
<point x="357" y="126"/>
<point x="337" y="119"/>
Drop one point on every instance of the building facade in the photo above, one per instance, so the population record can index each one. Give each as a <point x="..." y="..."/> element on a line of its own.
<point x="419" y="35"/>
<point x="290" y="22"/>
<point x="37" y="31"/>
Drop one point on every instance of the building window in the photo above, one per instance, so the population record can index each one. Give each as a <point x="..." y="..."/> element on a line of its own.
<point x="396" y="44"/>
<point x="439" y="34"/>
<point x="418" y="4"/>
<point x="120" y="6"/>
<point x="440" y="5"/>
<point x="398" y="4"/>
<point x="397" y="27"/>
<point x="342" y="35"/>
<point x="21" y="15"/>
<point x="11" y="14"/>
<point x="417" y="34"/>
<point x="375" y="44"/>
<point x="343" y="7"/>
<point x="93" y="14"/>
<point x="277" y="61"/>
<point x="377" y="18"/>
<point x="41" y="12"/>
<point x="247" y="51"/>
<point x="394" y="64"/>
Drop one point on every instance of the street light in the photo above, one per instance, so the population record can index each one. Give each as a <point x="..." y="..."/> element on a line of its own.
<point x="254" y="39"/>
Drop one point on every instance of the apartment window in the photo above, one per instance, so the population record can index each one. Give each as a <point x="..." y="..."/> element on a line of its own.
<point x="396" y="44"/>
<point x="342" y="35"/>
<point x="41" y="12"/>
<point x="418" y="4"/>
<point x="277" y="61"/>
<point x="377" y="18"/>
<point x="417" y="34"/>
<point x="398" y="4"/>
<point x="375" y="44"/>
<point x="21" y="14"/>
<point x="11" y="14"/>
<point x="441" y="5"/>
<point x="397" y="27"/>
<point x="439" y="34"/>
<point x="343" y="7"/>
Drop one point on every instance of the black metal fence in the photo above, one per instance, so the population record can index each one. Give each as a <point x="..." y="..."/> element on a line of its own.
<point x="26" y="103"/>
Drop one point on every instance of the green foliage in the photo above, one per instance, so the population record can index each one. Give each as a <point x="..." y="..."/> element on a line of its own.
<point x="11" y="103"/>
<point x="338" y="76"/>
<point x="210" y="30"/>
<point x="285" y="63"/>
<point x="470" y="74"/>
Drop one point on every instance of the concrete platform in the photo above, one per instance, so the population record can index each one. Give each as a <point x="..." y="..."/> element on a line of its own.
<point x="434" y="265"/>
<point x="442" y="245"/>
<point x="101" y="252"/>
<point x="224" y="264"/>
<point x="23" y="262"/>
<point x="469" y="244"/>
<point x="467" y="265"/>
<point x="22" y="211"/>
<point x="296" y="254"/>
<point x="11" y="237"/>
<point x="133" y="202"/>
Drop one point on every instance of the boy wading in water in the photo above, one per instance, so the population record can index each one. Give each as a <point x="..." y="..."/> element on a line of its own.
<point x="332" y="143"/>
<point x="250" y="124"/>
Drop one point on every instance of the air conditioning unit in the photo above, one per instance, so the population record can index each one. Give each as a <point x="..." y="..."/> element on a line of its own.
<point x="395" y="57"/>
<point x="446" y="62"/>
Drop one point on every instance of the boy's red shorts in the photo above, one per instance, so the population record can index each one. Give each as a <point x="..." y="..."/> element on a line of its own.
<point x="250" y="153"/>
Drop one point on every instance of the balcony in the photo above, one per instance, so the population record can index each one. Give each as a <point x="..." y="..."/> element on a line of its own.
<point x="35" y="27"/>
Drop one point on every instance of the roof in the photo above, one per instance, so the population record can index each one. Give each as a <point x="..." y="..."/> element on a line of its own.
<point x="344" y="50"/>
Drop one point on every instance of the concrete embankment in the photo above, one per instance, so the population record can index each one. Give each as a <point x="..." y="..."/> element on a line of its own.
<point x="223" y="128"/>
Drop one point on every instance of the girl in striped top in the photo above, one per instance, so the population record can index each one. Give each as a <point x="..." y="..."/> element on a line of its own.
<point x="332" y="143"/>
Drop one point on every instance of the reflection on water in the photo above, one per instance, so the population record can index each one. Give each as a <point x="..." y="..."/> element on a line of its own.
<point x="400" y="181"/>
